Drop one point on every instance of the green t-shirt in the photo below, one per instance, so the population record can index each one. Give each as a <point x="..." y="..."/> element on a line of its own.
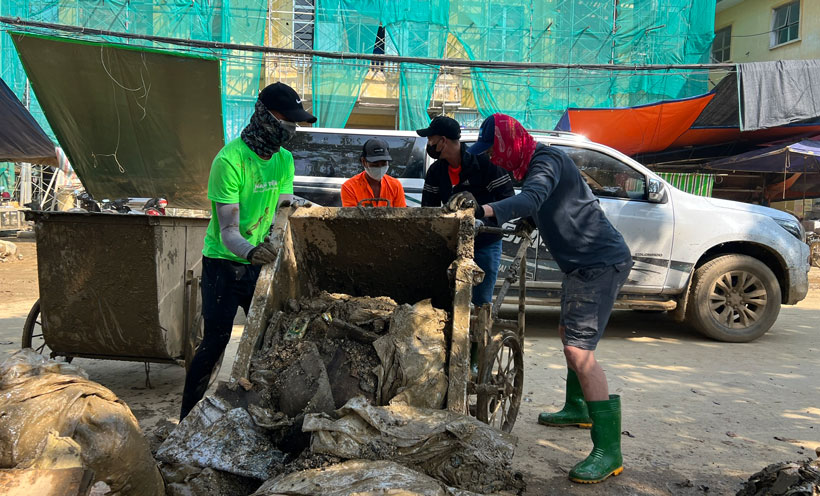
<point x="238" y="175"/>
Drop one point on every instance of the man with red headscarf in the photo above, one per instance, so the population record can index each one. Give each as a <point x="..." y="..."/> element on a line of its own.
<point x="596" y="262"/>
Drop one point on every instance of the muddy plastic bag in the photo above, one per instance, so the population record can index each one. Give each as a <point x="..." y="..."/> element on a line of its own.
<point x="216" y="435"/>
<point x="456" y="449"/>
<point x="40" y="396"/>
<point x="783" y="479"/>
<point x="413" y="357"/>
<point x="360" y="477"/>
<point x="9" y="252"/>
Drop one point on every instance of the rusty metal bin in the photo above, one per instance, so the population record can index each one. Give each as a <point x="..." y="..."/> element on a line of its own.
<point x="118" y="286"/>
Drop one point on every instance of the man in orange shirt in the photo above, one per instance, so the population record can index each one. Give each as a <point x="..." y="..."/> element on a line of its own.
<point x="374" y="183"/>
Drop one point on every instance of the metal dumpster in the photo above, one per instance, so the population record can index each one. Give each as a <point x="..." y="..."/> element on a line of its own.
<point x="118" y="287"/>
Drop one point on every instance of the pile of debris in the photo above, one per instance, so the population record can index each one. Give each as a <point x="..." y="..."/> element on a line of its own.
<point x="9" y="252"/>
<point x="346" y="389"/>
<point x="60" y="430"/>
<point x="781" y="479"/>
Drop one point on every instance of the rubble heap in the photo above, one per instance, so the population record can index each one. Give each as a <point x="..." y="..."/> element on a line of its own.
<point x="339" y="378"/>
<point x="781" y="479"/>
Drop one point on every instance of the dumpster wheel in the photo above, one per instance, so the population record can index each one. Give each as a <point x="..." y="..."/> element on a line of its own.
<point x="33" y="333"/>
<point x="501" y="381"/>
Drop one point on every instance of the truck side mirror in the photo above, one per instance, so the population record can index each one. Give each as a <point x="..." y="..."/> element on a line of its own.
<point x="656" y="191"/>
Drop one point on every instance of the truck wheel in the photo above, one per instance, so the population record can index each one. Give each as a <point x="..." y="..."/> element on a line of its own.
<point x="734" y="298"/>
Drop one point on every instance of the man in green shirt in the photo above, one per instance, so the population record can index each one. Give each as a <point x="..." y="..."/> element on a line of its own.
<point x="249" y="177"/>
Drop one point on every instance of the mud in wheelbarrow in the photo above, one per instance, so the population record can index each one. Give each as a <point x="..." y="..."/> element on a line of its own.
<point x="408" y="255"/>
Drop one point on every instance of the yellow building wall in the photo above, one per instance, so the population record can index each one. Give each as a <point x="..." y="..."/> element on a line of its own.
<point x="751" y="17"/>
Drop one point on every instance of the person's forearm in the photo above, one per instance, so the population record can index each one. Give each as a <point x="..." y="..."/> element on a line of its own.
<point x="228" y="216"/>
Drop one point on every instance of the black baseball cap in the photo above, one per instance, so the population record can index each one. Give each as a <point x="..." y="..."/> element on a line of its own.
<point x="376" y="150"/>
<point x="282" y="98"/>
<point x="486" y="136"/>
<point x="442" y="125"/>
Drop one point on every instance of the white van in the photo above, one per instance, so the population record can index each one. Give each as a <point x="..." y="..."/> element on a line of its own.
<point x="724" y="267"/>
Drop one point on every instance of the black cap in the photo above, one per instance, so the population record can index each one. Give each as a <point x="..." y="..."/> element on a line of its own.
<point x="442" y="126"/>
<point x="376" y="150"/>
<point x="282" y="98"/>
<point x="486" y="137"/>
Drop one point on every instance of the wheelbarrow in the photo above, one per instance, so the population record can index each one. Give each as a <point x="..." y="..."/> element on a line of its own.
<point x="407" y="254"/>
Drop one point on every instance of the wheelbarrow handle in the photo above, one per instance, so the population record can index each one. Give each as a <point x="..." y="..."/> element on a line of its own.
<point x="517" y="231"/>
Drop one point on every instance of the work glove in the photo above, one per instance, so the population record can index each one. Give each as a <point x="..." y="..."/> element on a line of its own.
<point x="296" y="203"/>
<point x="464" y="200"/>
<point x="262" y="254"/>
<point x="524" y="224"/>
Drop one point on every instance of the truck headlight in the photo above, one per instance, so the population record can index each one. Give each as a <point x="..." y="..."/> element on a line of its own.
<point x="794" y="227"/>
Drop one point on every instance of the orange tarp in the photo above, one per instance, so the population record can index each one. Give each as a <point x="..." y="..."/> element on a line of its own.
<point x="649" y="128"/>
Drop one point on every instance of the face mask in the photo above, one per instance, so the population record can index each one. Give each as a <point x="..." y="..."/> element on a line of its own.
<point x="376" y="172"/>
<point x="280" y="131"/>
<point x="289" y="127"/>
<point x="433" y="152"/>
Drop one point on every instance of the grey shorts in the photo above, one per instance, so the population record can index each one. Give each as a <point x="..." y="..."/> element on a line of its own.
<point x="587" y="297"/>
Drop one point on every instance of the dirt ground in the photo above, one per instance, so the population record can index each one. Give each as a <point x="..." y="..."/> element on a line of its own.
<point x="699" y="416"/>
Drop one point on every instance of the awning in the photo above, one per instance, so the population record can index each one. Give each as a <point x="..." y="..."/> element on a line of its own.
<point x="134" y="122"/>
<point x="21" y="138"/>
<point x="789" y="167"/>
<point x="803" y="156"/>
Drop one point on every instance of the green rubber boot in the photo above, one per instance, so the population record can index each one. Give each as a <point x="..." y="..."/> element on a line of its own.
<point x="605" y="459"/>
<point x="575" y="408"/>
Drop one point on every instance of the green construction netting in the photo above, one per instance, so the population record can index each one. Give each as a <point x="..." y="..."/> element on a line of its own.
<point x="238" y="21"/>
<point x="341" y="26"/>
<point x="6" y="177"/>
<point x="626" y="32"/>
<point x="636" y="32"/>
<point x="415" y="29"/>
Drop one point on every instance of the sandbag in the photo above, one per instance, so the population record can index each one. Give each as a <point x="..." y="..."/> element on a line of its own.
<point x="456" y="449"/>
<point x="413" y="357"/>
<point x="360" y="477"/>
<point x="40" y="397"/>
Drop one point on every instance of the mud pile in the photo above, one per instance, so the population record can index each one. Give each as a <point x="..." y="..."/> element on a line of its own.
<point x="781" y="479"/>
<point x="336" y="379"/>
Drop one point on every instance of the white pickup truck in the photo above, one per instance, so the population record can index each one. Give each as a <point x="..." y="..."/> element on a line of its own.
<point x="723" y="267"/>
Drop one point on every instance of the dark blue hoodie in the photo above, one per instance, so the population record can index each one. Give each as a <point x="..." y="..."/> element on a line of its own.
<point x="567" y="214"/>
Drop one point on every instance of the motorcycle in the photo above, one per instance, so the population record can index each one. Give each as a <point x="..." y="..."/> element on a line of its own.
<point x="813" y="240"/>
<point x="155" y="206"/>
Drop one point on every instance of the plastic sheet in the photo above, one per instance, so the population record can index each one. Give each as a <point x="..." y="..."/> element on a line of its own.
<point x="456" y="449"/>
<point x="360" y="477"/>
<point x="413" y="358"/>
<point x="216" y="435"/>
<point x="39" y="397"/>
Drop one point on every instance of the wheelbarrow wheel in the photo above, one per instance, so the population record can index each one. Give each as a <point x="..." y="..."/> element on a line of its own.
<point x="501" y="382"/>
<point x="33" y="333"/>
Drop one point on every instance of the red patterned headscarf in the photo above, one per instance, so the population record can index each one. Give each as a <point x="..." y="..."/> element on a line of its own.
<point x="513" y="146"/>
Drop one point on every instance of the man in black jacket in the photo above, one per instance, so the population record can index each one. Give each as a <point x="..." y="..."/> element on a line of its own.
<point x="455" y="171"/>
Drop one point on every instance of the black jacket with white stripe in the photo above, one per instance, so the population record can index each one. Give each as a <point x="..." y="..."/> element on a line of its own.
<point x="487" y="182"/>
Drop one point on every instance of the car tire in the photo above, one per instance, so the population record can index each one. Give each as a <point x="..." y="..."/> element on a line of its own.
<point x="734" y="298"/>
